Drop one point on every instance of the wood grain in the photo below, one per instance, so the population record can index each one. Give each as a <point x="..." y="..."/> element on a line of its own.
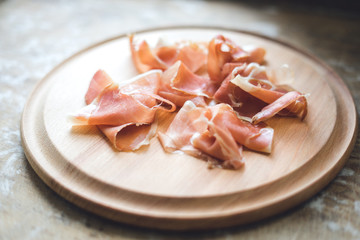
<point x="154" y="189"/>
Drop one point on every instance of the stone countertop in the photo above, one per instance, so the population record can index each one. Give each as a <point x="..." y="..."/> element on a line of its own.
<point x="37" y="35"/>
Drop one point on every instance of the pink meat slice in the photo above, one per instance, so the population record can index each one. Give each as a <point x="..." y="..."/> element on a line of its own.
<point x="222" y="50"/>
<point x="125" y="114"/>
<point x="266" y="91"/>
<point x="179" y="84"/>
<point x="145" y="58"/>
<point x="99" y="81"/>
<point x="257" y="137"/>
<point x="215" y="131"/>
<point x="243" y="102"/>
<point x="294" y="101"/>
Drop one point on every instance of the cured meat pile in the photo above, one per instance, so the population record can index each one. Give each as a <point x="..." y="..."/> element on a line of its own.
<point x="219" y="91"/>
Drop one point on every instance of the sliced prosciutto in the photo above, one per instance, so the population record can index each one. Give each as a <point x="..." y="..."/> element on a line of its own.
<point x="163" y="56"/>
<point x="124" y="113"/>
<point x="130" y="136"/>
<point x="255" y="137"/>
<point x="294" y="102"/>
<point x="281" y="100"/>
<point x="222" y="50"/>
<point x="223" y="92"/>
<point x="248" y="90"/>
<point x="179" y="84"/>
<point x="216" y="131"/>
<point x="243" y="102"/>
<point x="99" y="82"/>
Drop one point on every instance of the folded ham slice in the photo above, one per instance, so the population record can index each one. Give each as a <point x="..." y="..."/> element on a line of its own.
<point x="99" y="82"/>
<point x="216" y="131"/>
<point x="248" y="90"/>
<point x="257" y="137"/>
<point x="179" y="84"/>
<point x="163" y="56"/>
<point x="281" y="100"/>
<point x="124" y="113"/>
<point x="243" y="102"/>
<point x="222" y="50"/>
<point x="293" y="101"/>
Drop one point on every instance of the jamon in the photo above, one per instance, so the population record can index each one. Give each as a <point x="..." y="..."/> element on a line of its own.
<point x="124" y="114"/>
<point x="222" y="50"/>
<point x="281" y="100"/>
<point x="248" y="90"/>
<point x="179" y="84"/>
<point x="99" y="82"/>
<point x="192" y="54"/>
<point x="216" y="131"/>
<point x="294" y="102"/>
<point x="243" y="102"/>
<point x="223" y="92"/>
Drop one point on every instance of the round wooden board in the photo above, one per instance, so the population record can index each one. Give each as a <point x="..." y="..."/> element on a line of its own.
<point x="169" y="191"/>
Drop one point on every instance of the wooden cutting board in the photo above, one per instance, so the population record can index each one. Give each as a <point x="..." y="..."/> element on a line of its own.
<point x="170" y="191"/>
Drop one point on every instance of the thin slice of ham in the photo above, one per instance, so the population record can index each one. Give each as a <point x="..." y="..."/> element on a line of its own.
<point x="294" y="101"/>
<point x="222" y="50"/>
<point x="124" y="114"/>
<point x="112" y="107"/>
<point x="193" y="133"/>
<point x="188" y="121"/>
<point x="100" y="81"/>
<point x="219" y="143"/>
<point x="257" y="137"/>
<point x="193" y="55"/>
<point x="129" y="137"/>
<point x="282" y="101"/>
<point x="145" y="58"/>
<point x="243" y="102"/>
<point x="179" y="84"/>
<point x="216" y="131"/>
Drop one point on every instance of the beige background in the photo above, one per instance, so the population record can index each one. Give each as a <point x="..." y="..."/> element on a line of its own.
<point x="37" y="35"/>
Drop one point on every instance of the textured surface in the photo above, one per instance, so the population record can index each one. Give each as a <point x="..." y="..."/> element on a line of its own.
<point x="36" y="36"/>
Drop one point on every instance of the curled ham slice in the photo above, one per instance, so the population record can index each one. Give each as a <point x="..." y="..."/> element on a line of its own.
<point x="145" y="58"/>
<point x="192" y="132"/>
<point x="99" y="82"/>
<point x="112" y="107"/>
<point x="255" y="137"/>
<point x="124" y="113"/>
<point x="188" y="121"/>
<point x="222" y="50"/>
<point x="260" y="88"/>
<point x="281" y="100"/>
<point x="216" y="131"/>
<point x="179" y="84"/>
<point x="243" y="102"/>
<point x="129" y="137"/>
<point x="294" y="101"/>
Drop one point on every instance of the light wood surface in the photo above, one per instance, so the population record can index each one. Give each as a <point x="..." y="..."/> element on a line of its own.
<point x="168" y="191"/>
